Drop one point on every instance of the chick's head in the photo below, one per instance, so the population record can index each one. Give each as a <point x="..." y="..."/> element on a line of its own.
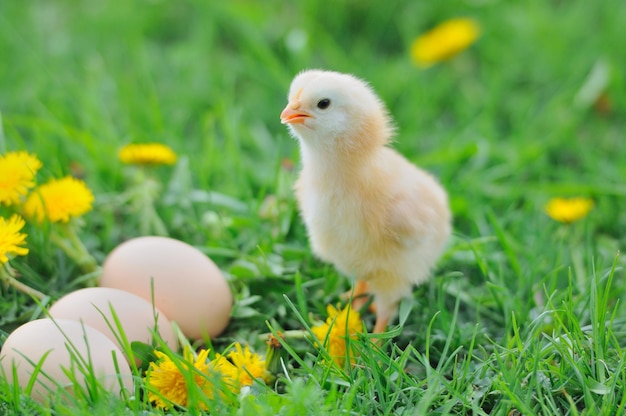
<point x="334" y="111"/>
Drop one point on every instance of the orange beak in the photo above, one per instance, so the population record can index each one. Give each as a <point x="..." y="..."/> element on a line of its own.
<point x="291" y="114"/>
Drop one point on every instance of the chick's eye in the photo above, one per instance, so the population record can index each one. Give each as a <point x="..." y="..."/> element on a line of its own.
<point x="323" y="104"/>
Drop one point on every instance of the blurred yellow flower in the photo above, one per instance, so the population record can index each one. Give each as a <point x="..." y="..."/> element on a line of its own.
<point x="59" y="200"/>
<point x="166" y="383"/>
<point x="11" y="239"/>
<point x="444" y="41"/>
<point x="568" y="210"/>
<point x="250" y="366"/>
<point x="147" y="154"/>
<point x="17" y="175"/>
<point x="340" y="325"/>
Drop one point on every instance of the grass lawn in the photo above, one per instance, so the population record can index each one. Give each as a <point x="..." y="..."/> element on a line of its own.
<point x="524" y="315"/>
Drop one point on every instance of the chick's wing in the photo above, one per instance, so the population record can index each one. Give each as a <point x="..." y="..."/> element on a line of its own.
<point x="419" y="211"/>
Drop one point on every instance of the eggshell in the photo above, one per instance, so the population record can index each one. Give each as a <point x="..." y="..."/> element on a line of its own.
<point x="61" y="339"/>
<point x="188" y="287"/>
<point x="136" y="316"/>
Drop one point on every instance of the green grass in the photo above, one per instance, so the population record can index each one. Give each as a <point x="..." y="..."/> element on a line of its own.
<point x="523" y="316"/>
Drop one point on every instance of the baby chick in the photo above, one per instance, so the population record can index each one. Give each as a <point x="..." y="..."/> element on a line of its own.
<point x="367" y="210"/>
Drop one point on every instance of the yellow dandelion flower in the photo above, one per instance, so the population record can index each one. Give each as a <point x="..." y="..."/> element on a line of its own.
<point x="444" y="41"/>
<point x="147" y="154"/>
<point x="568" y="210"/>
<point x="17" y="175"/>
<point x="250" y="366"/>
<point x="11" y="239"/>
<point x="229" y="374"/>
<point x="59" y="200"/>
<point x="167" y="385"/>
<point x="340" y="325"/>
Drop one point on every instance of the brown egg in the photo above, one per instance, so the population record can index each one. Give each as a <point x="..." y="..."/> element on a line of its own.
<point x="61" y="342"/>
<point x="187" y="286"/>
<point x="138" y="319"/>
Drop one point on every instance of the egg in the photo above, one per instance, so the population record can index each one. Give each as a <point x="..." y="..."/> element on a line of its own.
<point x="137" y="317"/>
<point x="186" y="285"/>
<point x="67" y="346"/>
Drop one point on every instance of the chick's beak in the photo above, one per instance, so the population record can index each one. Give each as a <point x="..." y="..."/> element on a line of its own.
<point x="293" y="115"/>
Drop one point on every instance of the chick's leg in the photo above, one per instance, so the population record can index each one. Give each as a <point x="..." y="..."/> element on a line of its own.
<point x="383" y="316"/>
<point x="359" y="295"/>
<point x="387" y="294"/>
<point x="381" y="325"/>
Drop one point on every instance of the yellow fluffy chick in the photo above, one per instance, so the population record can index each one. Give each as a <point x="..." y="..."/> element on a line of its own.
<point x="367" y="210"/>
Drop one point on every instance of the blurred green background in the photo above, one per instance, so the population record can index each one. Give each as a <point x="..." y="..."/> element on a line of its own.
<point x="210" y="78"/>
